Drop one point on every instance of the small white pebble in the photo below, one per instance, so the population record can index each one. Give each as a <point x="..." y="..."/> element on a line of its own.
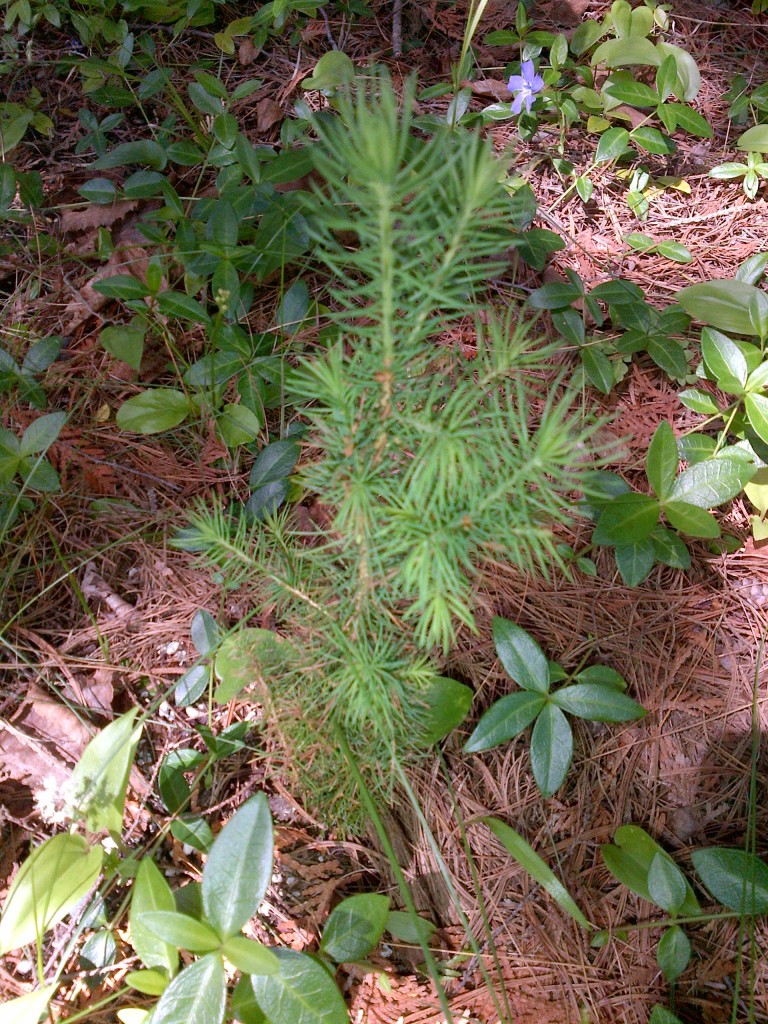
<point x="165" y="710"/>
<point x="172" y="647"/>
<point x="191" y="712"/>
<point x="24" y="966"/>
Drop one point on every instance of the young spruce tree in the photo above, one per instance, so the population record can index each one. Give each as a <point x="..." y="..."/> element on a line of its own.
<point x="431" y="459"/>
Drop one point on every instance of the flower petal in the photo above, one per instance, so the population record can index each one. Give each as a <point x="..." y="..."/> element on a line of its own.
<point x="517" y="103"/>
<point x="537" y="84"/>
<point x="516" y="82"/>
<point x="527" y="70"/>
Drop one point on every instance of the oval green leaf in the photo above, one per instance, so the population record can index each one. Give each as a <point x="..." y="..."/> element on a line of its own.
<point x="153" y="411"/>
<point x="504" y="720"/>
<point x="354" y="927"/>
<point x="302" y="993"/>
<point x="520" y="655"/>
<point x="239" y="867"/>
<point x="196" y="996"/>
<point x="735" y="878"/>
<point x="551" y="749"/>
<point x="50" y="883"/>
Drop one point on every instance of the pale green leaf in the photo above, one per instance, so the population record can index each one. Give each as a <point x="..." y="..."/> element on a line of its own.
<point x="666" y="884"/>
<point x="27" y="1009"/>
<point x="100" y="778"/>
<point x="538" y="869"/>
<point x="182" y="931"/>
<point x="723" y="304"/>
<point x="150" y="893"/>
<point x="153" y="411"/>
<point x="197" y="995"/>
<point x="50" y="883"/>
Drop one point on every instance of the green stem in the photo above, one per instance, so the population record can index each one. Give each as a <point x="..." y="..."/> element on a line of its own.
<point x="402" y="884"/>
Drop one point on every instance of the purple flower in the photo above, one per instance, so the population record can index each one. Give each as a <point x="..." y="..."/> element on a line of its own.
<point x="525" y="86"/>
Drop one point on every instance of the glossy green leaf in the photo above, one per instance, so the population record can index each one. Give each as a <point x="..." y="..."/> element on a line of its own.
<point x="597" y="702"/>
<point x="691" y="520"/>
<point x="447" y="703"/>
<point x="333" y="70"/>
<point x="598" y="368"/>
<point x="635" y="561"/>
<point x="243" y="1005"/>
<point x="302" y="993"/>
<point x="690" y="120"/>
<point x="673" y="952"/>
<point x="712" y="483"/>
<point x="246" y="657"/>
<point x="556" y="295"/>
<point x="121" y="286"/>
<point x="266" y="499"/>
<point x="662" y="460"/>
<point x="504" y="720"/>
<point x="193" y="831"/>
<point x="153" y="411"/>
<point x="150" y="893"/>
<point x="629" y="90"/>
<point x="629" y="858"/>
<point x="723" y="358"/>
<point x="50" y="883"/>
<point x="612" y="144"/>
<point x="736" y="878"/>
<point x="723" y="304"/>
<point x="197" y="995"/>
<point x="551" y="749"/>
<point x="669" y="549"/>
<point x="237" y="424"/>
<point x="409" y="927"/>
<point x="538" y="869"/>
<point x="100" y="778"/>
<point x="181" y="931"/>
<point x="699" y="401"/>
<point x="204" y="631"/>
<point x="674" y="251"/>
<point x="239" y="867"/>
<point x="520" y="655"/>
<point x="355" y="927"/>
<point x="652" y="140"/>
<point x="666" y="77"/>
<point x="249" y="956"/>
<point x="752" y="270"/>
<point x="626" y="519"/>
<point x="206" y="103"/>
<point x="688" y="74"/>
<point x="293" y="308"/>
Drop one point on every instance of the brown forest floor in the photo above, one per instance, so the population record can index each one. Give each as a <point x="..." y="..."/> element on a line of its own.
<point x="688" y="644"/>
